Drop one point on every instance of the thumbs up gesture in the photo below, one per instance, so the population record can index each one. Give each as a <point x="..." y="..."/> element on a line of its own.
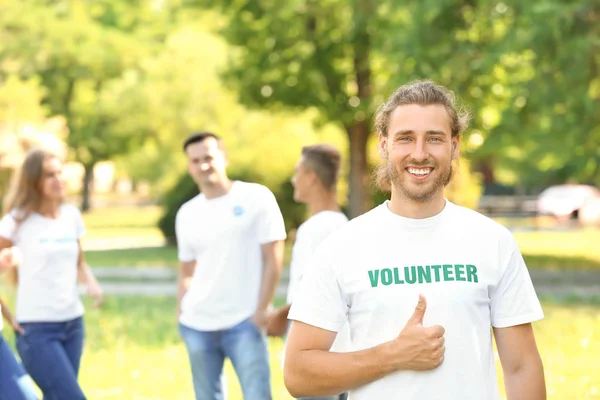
<point x="420" y="348"/>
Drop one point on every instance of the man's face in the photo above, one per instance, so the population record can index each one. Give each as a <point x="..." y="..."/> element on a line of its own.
<point x="206" y="162"/>
<point x="419" y="150"/>
<point x="303" y="180"/>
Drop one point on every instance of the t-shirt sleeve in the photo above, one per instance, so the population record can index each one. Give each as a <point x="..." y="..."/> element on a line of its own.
<point x="270" y="221"/>
<point x="185" y="252"/>
<point x="80" y="225"/>
<point x="7" y="227"/>
<point x="320" y="300"/>
<point x="513" y="300"/>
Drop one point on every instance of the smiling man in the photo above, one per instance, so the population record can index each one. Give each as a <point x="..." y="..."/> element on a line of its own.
<point x="230" y="245"/>
<point x="463" y="271"/>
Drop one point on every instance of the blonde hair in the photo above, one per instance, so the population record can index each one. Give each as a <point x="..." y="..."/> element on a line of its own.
<point x="25" y="194"/>
<point x="422" y="93"/>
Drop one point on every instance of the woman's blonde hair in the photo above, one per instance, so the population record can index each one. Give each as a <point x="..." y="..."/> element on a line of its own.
<point x="25" y="194"/>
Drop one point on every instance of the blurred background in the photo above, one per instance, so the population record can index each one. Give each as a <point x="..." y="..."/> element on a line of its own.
<point x="116" y="85"/>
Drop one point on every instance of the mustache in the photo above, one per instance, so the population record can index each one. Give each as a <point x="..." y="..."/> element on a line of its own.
<point x="415" y="163"/>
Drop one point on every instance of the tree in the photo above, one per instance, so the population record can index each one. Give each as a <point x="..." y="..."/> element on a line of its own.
<point x="343" y="56"/>
<point x="82" y="60"/>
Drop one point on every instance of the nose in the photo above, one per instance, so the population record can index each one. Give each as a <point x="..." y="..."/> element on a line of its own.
<point x="419" y="152"/>
<point x="204" y="166"/>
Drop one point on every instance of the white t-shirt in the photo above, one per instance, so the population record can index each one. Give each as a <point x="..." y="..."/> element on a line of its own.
<point x="370" y="272"/>
<point x="308" y="237"/>
<point x="47" y="290"/>
<point x="224" y="236"/>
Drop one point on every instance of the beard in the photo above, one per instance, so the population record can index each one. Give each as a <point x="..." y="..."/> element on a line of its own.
<point x="420" y="192"/>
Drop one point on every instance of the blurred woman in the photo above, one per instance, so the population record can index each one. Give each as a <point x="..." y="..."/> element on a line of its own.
<point x="15" y="384"/>
<point x="47" y="233"/>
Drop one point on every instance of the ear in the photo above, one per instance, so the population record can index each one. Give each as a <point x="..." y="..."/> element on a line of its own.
<point x="456" y="147"/>
<point x="382" y="145"/>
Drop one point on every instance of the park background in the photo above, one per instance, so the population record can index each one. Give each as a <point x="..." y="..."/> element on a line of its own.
<point x="114" y="86"/>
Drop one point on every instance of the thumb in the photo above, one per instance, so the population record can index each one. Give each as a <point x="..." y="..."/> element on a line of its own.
<point x="417" y="317"/>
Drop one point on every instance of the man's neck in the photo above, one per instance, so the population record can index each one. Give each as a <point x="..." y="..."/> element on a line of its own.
<point x="217" y="189"/>
<point x="408" y="208"/>
<point x="323" y="201"/>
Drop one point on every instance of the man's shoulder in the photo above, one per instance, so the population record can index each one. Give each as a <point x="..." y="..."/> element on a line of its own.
<point x="479" y="223"/>
<point x="191" y="205"/>
<point x="357" y="229"/>
<point x="251" y="189"/>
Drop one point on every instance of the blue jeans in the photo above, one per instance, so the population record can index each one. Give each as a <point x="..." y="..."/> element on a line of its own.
<point x="15" y="384"/>
<point x="51" y="352"/>
<point x="244" y="344"/>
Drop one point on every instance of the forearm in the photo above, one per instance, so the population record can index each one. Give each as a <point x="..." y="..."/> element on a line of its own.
<point x="315" y="373"/>
<point x="184" y="278"/>
<point x="85" y="275"/>
<point x="270" y="279"/>
<point x="526" y="383"/>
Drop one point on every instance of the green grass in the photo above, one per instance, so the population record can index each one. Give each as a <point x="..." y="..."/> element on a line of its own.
<point x="122" y="222"/>
<point x="147" y="257"/>
<point x="573" y="249"/>
<point x="143" y="257"/>
<point x="133" y="351"/>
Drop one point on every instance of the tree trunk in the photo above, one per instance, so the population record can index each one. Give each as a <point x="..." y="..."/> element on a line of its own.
<point x="359" y="179"/>
<point x="87" y="186"/>
<point x="359" y="130"/>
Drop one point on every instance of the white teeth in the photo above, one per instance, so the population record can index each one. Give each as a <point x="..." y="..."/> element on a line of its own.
<point x="415" y="171"/>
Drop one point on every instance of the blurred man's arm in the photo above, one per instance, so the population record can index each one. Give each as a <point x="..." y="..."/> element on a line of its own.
<point x="272" y="257"/>
<point x="184" y="278"/>
<point x="521" y="363"/>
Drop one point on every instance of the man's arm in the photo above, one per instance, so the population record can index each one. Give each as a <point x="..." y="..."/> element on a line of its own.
<point x="521" y="363"/>
<point x="272" y="256"/>
<point x="184" y="278"/>
<point x="311" y="370"/>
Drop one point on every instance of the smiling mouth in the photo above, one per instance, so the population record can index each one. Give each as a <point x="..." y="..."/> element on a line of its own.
<point x="419" y="173"/>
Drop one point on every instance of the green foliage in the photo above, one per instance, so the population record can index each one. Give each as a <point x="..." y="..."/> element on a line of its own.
<point x="465" y="187"/>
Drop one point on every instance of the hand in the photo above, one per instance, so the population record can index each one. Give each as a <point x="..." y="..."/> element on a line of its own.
<point x="260" y="320"/>
<point x="16" y="327"/>
<point x="420" y="348"/>
<point x="8" y="258"/>
<point x="277" y="322"/>
<point x="95" y="292"/>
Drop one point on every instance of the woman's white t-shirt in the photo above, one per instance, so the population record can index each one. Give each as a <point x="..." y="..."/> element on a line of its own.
<point x="49" y="247"/>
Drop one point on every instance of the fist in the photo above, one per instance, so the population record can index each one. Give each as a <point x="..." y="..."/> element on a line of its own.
<point x="420" y="348"/>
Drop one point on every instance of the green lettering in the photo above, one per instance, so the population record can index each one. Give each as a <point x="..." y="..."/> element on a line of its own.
<point x="407" y="275"/>
<point x="472" y="273"/>
<point x="459" y="269"/>
<point x="448" y="273"/>
<point x="386" y="276"/>
<point x="397" y="279"/>
<point x="436" y="269"/>
<point x="424" y="274"/>
<point x="374" y="277"/>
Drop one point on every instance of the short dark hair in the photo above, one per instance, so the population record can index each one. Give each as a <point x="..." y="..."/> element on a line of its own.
<point x="324" y="160"/>
<point x="199" y="137"/>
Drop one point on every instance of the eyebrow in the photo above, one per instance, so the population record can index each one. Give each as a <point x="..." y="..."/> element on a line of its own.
<point x="427" y="132"/>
